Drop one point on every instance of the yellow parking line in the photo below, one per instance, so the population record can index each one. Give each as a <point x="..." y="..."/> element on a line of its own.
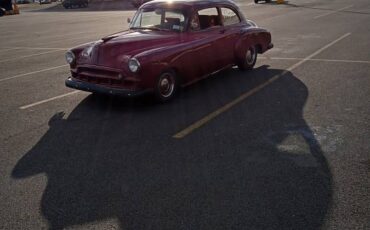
<point x="224" y="108"/>
<point x="196" y="125"/>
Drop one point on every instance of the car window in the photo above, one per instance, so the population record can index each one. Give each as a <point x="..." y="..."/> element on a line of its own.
<point x="176" y="20"/>
<point x="208" y="18"/>
<point x="159" y="19"/>
<point x="149" y="19"/>
<point x="208" y="11"/>
<point x="194" y="22"/>
<point x="229" y="17"/>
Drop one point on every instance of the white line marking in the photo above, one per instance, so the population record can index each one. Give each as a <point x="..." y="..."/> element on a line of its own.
<point x="196" y="125"/>
<point x="317" y="59"/>
<point x="30" y="73"/>
<point x="31" y="55"/>
<point x="339" y="60"/>
<point x="7" y="49"/>
<point x="43" y="37"/>
<point x="317" y="52"/>
<point x="83" y="38"/>
<point x="248" y="4"/>
<point x="50" y="99"/>
<point x="332" y="12"/>
<point x="31" y="48"/>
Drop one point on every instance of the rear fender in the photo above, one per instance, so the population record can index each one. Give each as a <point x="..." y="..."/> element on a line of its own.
<point x="256" y="37"/>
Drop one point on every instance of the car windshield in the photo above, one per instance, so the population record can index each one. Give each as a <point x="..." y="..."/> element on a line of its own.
<point x="159" y="19"/>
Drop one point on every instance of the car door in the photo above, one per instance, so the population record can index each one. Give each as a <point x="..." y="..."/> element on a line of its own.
<point x="202" y="38"/>
<point x="211" y="33"/>
<point x="230" y="34"/>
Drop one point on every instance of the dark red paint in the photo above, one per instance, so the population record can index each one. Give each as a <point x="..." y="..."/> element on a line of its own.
<point x="192" y="55"/>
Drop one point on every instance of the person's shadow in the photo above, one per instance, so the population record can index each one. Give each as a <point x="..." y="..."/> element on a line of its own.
<point x="112" y="158"/>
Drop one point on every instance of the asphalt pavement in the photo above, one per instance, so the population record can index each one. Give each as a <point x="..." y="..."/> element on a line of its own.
<point x="284" y="146"/>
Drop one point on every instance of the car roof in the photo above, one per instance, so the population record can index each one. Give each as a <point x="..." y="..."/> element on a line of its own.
<point x="189" y="3"/>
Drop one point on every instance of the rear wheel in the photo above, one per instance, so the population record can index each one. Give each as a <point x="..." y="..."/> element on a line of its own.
<point x="256" y="1"/>
<point x="166" y="86"/>
<point x="249" y="59"/>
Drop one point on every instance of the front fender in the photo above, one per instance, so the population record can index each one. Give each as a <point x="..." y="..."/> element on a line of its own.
<point x="156" y="61"/>
<point x="153" y="63"/>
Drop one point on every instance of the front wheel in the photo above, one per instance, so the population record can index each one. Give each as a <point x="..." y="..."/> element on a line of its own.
<point x="256" y="1"/>
<point x="249" y="59"/>
<point x="166" y="86"/>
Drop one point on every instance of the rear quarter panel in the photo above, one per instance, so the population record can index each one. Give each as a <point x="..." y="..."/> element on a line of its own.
<point x="252" y="36"/>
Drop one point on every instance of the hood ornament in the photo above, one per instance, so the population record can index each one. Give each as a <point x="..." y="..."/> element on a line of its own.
<point x="105" y="39"/>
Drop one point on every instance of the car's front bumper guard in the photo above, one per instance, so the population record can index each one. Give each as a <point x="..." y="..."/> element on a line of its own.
<point x="89" y="87"/>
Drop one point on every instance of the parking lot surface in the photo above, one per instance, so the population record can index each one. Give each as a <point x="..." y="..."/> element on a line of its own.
<point x="284" y="146"/>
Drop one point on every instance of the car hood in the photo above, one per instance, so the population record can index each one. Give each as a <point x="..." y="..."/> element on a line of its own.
<point x="113" y="50"/>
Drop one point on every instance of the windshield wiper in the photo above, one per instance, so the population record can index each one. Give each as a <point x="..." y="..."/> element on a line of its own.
<point x="137" y="28"/>
<point x="148" y="28"/>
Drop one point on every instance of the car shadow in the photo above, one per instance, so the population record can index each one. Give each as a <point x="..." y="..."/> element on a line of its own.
<point x="257" y="166"/>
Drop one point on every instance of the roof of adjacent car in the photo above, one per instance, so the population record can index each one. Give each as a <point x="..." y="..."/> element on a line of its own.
<point x="189" y="2"/>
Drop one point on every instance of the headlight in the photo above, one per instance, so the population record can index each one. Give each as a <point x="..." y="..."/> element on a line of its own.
<point x="70" y="57"/>
<point x="133" y="65"/>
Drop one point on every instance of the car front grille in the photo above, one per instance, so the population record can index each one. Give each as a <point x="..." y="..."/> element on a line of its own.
<point x="98" y="76"/>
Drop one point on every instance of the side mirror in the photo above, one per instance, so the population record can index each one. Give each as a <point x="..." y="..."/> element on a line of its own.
<point x="128" y="20"/>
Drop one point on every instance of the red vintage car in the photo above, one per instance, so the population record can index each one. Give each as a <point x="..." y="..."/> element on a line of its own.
<point x="168" y="44"/>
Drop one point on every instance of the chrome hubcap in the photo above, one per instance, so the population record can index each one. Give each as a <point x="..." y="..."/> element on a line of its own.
<point x="166" y="85"/>
<point x="250" y="55"/>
